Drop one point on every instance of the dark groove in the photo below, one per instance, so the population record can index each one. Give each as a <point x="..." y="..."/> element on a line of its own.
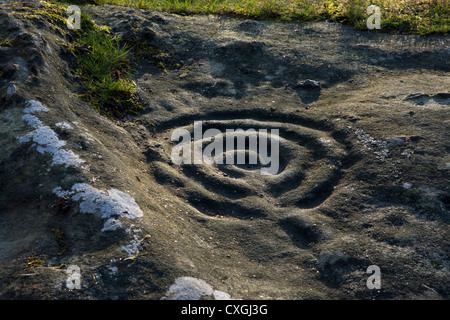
<point x="259" y="114"/>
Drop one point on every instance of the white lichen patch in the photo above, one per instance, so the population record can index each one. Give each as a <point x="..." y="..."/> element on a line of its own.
<point x="105" y="204"/>
<point x="111" y="205"/>
<point x="64" y="125"/>
<point x="112" y="224"/>
<point x="34" y="106"/>
<point x="133" y="248"/>
<point x="45" y="139"/>
<point x="11" y="90"/>
<point x="113" y="270"/>
<point x="189" y="288"/>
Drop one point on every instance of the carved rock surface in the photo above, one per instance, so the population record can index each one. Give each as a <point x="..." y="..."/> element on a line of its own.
<point x="77" y="189"/>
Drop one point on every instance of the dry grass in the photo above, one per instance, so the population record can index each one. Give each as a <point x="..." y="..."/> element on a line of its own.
<point x="402" y="16"/>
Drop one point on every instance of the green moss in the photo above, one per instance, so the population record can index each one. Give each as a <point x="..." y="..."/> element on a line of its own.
<point x="22" y="176"/>
<point x="33" y="262"/>
<point x="158" y="57"/>
<point x="437" y="265"/>
<point x="142" y="49"/>
<point x="59" y="236"/>
<point x="135" y="123"/>
<point x="5" y="42"/>
<point x="54" y="13"/>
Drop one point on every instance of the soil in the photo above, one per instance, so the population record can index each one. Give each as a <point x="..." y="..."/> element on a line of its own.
<point x="363" y="119"/>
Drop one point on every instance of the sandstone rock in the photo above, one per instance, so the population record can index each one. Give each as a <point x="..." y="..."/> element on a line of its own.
<point x="360" y="181"/>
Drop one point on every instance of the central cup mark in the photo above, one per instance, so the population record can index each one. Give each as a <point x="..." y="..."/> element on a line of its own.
<point x="239" y="146"/>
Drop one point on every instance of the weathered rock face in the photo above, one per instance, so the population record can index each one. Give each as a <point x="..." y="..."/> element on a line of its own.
<point x="363" y="121"/>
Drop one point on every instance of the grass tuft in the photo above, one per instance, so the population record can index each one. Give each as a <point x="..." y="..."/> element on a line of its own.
<point x="105" y="69"/>
<point x="103" y="60"/>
